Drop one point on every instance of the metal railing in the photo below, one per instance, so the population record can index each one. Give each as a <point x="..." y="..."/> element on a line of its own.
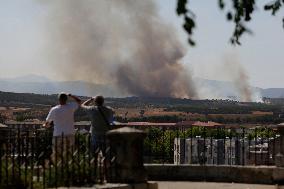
<point x="34" y="159"/>
<point x="212" y="146"/>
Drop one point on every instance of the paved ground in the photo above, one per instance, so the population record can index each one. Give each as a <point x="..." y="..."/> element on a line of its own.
<point x="213" y="185"/>
<point x="185" y="185"/>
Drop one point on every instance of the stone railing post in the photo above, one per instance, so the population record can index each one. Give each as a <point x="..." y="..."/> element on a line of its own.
<point x="279" y="158"/>
<point x="127" y="146"/>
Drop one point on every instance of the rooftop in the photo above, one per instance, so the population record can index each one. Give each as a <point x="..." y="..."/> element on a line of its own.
<point x="182" y="123"/>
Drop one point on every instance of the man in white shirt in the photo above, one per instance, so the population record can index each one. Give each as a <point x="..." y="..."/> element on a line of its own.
<point x="62" y="117"/>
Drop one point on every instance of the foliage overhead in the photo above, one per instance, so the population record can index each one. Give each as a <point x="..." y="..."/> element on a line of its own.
<point x="239" y="14"/>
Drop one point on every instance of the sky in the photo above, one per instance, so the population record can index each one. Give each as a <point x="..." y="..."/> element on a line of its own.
<point x="22" y="42"/>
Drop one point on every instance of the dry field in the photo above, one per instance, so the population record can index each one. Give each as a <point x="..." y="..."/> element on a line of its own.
<point x="133" y="112"/>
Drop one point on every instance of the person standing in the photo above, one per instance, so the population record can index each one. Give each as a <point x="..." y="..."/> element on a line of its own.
<point x="62" y="117"/>
<point x="101" y="121"/>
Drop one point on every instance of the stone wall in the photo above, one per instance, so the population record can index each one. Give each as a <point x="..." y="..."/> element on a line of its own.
<point x="220" y="173"/>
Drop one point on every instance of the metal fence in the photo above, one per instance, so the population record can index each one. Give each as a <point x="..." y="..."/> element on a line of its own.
<point x="212" y="146"/>
<point x="34" y="159"/>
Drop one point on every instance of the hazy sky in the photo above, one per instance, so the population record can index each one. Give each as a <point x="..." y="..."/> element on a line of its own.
<point x="22" y="42"/>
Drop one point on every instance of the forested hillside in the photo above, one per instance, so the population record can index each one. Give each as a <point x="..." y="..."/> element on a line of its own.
<point x="27" y="98"/>
<point x="169" y="104"/>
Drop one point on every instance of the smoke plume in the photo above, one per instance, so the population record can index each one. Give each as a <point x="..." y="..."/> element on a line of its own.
<point x="121" y="43"/>
<point x="239" y="78"/>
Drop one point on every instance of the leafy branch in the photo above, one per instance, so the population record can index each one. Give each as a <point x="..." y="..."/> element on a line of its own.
<point x="239" y="14"/>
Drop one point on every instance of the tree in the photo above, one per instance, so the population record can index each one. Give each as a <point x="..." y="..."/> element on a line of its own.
<point x="240" y="14"/>
<point x="20" y="117"/>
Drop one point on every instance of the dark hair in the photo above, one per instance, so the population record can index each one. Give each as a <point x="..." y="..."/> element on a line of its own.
<point x="99" y="100"/>
<point x="62" y="97"/>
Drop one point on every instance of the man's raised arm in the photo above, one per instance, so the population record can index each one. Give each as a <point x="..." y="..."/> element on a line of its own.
<point x="87" y="103"/>
<point x="78" y="100"/>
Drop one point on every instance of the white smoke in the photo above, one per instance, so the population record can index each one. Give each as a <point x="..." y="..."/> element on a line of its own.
<point x="122" y="43"/>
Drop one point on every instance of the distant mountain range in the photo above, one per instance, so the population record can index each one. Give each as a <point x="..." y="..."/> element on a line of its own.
<point x="273" y="92"/>
<point x="42" y="85"/>
<point x="224" y="89"/>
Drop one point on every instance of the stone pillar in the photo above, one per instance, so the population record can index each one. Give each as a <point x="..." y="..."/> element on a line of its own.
<point x="127" y="146"/>
<point x="279" y="158"/>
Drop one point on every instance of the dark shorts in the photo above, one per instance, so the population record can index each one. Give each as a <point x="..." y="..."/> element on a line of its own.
<point x="98" y="143"/>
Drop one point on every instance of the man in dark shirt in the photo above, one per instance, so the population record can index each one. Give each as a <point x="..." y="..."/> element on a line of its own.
<point x="101" y="120"/>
